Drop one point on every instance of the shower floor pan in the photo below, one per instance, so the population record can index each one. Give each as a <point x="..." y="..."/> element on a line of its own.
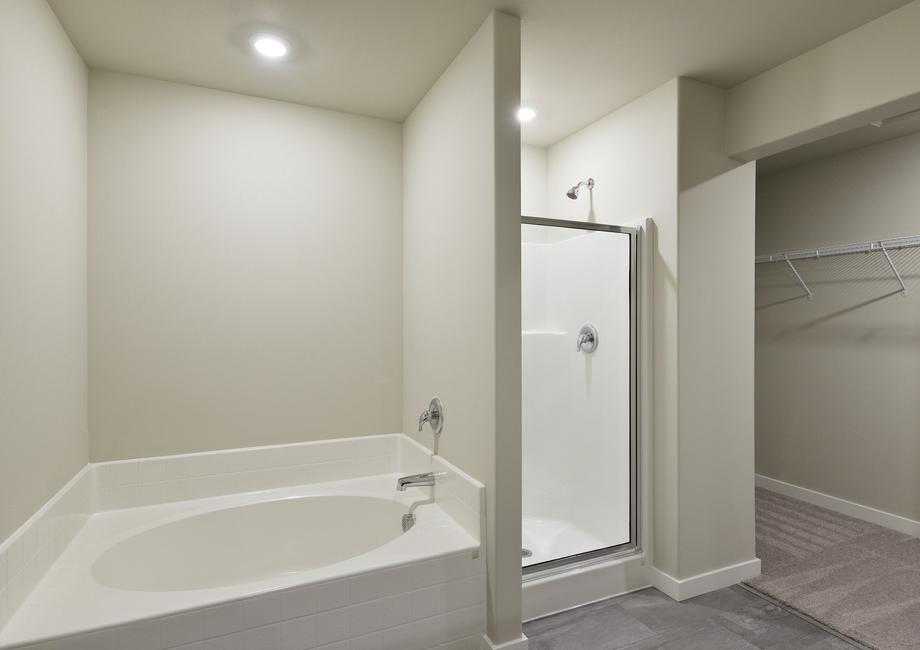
<point x="552" y="539"/>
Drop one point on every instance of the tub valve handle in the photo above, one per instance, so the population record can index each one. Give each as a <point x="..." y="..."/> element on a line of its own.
<point x="433" y="415"/>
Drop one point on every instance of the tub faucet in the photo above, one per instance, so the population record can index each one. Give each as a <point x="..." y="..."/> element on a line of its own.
<point x="415" y="480"/>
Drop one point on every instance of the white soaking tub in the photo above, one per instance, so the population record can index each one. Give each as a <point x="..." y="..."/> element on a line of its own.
<point x="246" y="543"/>
<point x="309" y="566"/>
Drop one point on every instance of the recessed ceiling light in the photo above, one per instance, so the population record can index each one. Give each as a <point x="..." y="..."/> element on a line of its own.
<point x="271" y="47"/>
<point x="526" y="113"/>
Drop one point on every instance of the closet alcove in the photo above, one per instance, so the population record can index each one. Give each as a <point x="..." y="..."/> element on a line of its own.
<point x="837" y="373"/>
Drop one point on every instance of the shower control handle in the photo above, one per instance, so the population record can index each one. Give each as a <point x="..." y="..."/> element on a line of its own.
<point x="587" y="339"/>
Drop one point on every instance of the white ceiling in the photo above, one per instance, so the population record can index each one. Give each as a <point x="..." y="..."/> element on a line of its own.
<point x="581" y="58"/>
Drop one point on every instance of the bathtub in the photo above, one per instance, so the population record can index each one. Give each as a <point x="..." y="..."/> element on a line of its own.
<point x="317" y="565"/>
<point x="246" y="543"/>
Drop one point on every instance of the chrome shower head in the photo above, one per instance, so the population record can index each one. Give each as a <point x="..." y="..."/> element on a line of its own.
<point x="573" y="191"/>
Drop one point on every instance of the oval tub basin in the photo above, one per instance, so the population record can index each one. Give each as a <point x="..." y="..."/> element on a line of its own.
<point x="251" y="542"/>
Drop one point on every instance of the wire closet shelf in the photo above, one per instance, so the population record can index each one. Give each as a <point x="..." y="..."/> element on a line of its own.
<point x="883" y="246"/>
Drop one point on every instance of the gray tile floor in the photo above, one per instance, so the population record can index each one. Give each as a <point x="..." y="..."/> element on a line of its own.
<point x="722" y="620"/>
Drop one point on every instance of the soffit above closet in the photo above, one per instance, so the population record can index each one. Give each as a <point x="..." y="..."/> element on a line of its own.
<point x="895" y="127"/>
<point x="581" y="58"/>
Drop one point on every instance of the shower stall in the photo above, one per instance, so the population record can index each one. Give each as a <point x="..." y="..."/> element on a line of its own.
<point x="579" y="349"/>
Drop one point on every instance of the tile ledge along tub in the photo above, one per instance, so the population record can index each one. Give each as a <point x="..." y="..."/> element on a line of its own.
<point x="319" y="565"/>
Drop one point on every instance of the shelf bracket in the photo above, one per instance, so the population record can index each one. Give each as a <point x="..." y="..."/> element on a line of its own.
<point x="894" y="270"/>
<point x="799" y="277"/>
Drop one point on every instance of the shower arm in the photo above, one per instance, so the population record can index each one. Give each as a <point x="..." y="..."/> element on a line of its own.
<point x="573" y="191"/>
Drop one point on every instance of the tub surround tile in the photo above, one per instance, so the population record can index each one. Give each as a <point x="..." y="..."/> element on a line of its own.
<point x="228" y="642"/>
<point x="158" y="470"/>
<point x="120" y="473"/>
<point x="313" y="599"/>
<point x="462" y="496"/>
<point x="262" y="638"/>
<point x="241" y="615"/>
<point x="329" y="627"/>
<point x="295" y="632"/>
<point x="122" y="496"/>
<point x="141" y="636"/>
<point x="379" y="584"/>
<point x="181" y="629"/>
<point x="395" y="638"/>
<point x="15" y="594"/>
<point x="468" y="643"/>
<point x="15" y="557"/>
<point x="163" y="479"/>
<point x="453" y="618"/>
<point x="331" y="595"/>
<point x="414" y="458"/>
<point x="453" y="567"/>
<point x="448" y="596"/>
<point x="3" y="605"/>
<point x="376" y="615"/>
<point x="450" y="626"/>
<point x="29" y="552"/>
<point x="457" y="484"/>
<point x="31" y="542"/>
<point x="222" y="620"/>
<point x="236" y="461"/>
<point x="313" y="631"/>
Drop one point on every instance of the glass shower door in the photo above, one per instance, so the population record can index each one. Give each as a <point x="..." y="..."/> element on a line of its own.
<point x="578" y="394"/>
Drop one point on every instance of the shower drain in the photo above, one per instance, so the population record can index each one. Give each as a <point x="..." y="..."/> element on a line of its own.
<point x="526" y="552"/>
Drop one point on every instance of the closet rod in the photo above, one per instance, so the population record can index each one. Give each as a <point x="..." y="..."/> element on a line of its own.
<point x="880" y="245"/>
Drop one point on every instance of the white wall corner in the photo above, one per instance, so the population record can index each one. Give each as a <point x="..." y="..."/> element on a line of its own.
<point x="517" y="644"/>
<point x="704" y="582"/>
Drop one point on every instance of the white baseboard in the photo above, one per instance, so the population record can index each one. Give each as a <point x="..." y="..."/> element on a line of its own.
<point x="844" y="507"/>
<point x="705" y="582"/>
<point x="516" y="644"/>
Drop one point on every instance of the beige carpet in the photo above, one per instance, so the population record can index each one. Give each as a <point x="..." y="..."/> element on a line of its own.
<point x="855" y="577"/>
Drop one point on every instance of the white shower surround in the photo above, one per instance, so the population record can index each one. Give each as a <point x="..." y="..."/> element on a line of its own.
<point x="576" y="406"/>
<point x="422" y="589"/>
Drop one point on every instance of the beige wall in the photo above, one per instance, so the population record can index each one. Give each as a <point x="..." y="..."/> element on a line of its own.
<point x="43" y="436"/>
<point x="533" y="168"/>
<point x="244" y="270"/>
<point x="716" y="365"/>
<point x="867" y="74"/>
<point x="838" y="377"/>
<point x="716" y="221"/>
<point x="462" y="286"/>
<point x="701" y="124"/>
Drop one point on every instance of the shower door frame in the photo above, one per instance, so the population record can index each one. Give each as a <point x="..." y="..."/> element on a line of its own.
<point x="542" y="569"/>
